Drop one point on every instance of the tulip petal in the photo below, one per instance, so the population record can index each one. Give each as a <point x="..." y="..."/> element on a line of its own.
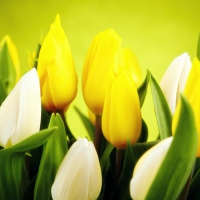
<point x="174" y="79"/>
<point x="20" y="113"/>
<point x="62" y="94"/>
<point x="99" y="64"/>
<point x="146" y="169"/>
<point x="73" y="179"/>
<point x="56" y="69"/>
<point x="29" y="108"/>
<point x="121" y="114"/>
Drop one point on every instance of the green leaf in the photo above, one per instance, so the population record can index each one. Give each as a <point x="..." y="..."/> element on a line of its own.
<point x="144" y="133"/>
<point x="31" y="142"/>
<point x="7" y="69"/>
<point x="44" y="119"/>
<point x="198" y="48"/>
<point x="105" y="156"/>
<point x="3" y="94"/>
<point x="54" y="150"/>
<point x="122" y="188"/>
<point x="88" y="125"/>
<point x="194" y="193"/>
<point x="12" y="163"/>
<point x="142" y="90"/>
<point x="11" y="175"/>
<point x="178" y="163"/>
<point x="162" y="111"/>
<point x="29" y="192"/>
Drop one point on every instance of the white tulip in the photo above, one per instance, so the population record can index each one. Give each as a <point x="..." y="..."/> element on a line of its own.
<point x="20" y="113"/>
<point x="174" y="80"/>
<point x="79" y="175"/>
<point x="147" y="168"/>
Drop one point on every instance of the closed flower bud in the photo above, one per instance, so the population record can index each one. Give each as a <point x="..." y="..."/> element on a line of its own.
<point x="146" y="169"/>
<point x="9" y="71"/>
<point x="20" y="113"/>
<point x="192" y="93"/>
<point x="130" y="62"/>
<point x="58" y="79"/>
<point x="79" y="175"/>
<point x="121" y="119"/>
<point x="101" y="59"/>
<point x="174" y="80"/>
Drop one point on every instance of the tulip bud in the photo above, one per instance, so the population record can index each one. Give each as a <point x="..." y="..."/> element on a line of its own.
<point x="102" y="58"/>
<point x="130" y="62"/>
<point x="79" y="175"/>
<point x="192" y="94"/>
<point x="20" y="113"/>
<point x="146" y="169"/>
<point x="174" y="80"/>
<point x="58" y="79"/>
<point x="121" y="119"/>
<point x="9" y="63"/>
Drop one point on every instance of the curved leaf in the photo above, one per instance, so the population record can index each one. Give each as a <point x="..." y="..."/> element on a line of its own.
<point x="54" y="151"/>
<point x="12" y="161"/>
<point x="162" y="111"/>
<point x="88" y="125"/>
<point x="178" y="163"/>
<point x="142" y="90"/>
<point x="3" y="94"/>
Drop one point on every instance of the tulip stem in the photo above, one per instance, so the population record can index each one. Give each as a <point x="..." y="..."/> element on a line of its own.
<point x="119" y="163"/>
<point x="184" y="193"/>
<point x="98" y="134"/>
<point x="68" y="132"/>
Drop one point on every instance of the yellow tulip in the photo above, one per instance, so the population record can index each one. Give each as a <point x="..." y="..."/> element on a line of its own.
<point x="13" y="74"/>
<point x="192" y="93"/>
<point x="130" y="62"/>
<point x="58" y="78"/>
<point x="101" y="59"/>
<point x="121" y="119"/>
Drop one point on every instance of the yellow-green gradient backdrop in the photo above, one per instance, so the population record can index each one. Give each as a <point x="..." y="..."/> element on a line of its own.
<point x="157" y="31"/>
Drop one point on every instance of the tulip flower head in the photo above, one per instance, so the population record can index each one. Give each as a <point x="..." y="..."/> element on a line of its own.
<point x="20" y="113"/>
<point x="174" y="80"/>
<point x="146" y="169"/>
<point x="130" y="62"/>
<point x="192" y="93"/>
<point x="102" y="58"/>
<point x="58" y="79"/>
<point x="79" y="175"/>
<point x="121" y="119"/>
<point x="9" y="72"/>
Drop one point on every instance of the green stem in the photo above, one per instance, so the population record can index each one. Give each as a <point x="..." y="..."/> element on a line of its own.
<point x="68" y="131"/>
<point x="184" y="193"/>
<point x="98" y="134"/>
<point x="119" y="163"/>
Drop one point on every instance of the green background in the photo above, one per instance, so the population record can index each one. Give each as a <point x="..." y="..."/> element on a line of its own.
<point x="157" y="31"/>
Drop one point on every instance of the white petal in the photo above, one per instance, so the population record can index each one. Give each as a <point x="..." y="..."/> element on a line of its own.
<point x="147" y="168"/>
<point x="29" y="115"/>
<point x="170" y="81"/>
<point x="73" y="177"/>
<point x="20" y="113"/>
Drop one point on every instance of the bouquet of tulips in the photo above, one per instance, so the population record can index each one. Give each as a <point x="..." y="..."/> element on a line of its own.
<point x="41" y="158"/>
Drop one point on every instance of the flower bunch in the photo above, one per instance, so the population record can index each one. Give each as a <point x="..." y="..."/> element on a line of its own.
<point x="41" y="158"/>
